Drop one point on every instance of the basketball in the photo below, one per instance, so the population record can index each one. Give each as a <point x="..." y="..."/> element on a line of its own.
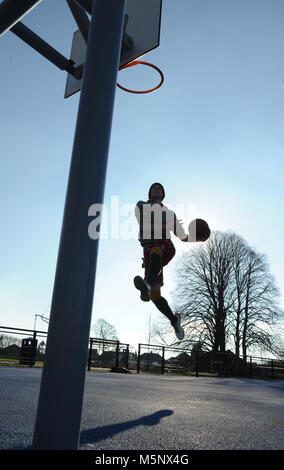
<point x="199" y="230"/>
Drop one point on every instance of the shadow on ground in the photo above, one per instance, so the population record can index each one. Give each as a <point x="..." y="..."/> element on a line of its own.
<point x="91" y="436"/>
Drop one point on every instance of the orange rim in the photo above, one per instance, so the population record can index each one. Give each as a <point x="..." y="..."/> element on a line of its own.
<point x="137" y="62"/>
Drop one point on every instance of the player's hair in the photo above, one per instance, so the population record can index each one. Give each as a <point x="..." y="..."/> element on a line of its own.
<point x="149" y="193"/>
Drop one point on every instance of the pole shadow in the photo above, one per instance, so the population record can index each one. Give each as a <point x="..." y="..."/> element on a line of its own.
<point x="91" y="436"/>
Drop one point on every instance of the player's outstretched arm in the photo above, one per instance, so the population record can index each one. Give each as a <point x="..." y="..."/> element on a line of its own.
<point x="198" y="231"/>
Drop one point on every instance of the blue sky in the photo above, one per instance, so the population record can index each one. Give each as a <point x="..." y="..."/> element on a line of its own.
<point x="212" y="135"/>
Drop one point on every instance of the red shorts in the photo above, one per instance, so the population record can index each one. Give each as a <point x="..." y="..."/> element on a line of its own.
<point x="169" y="252"/>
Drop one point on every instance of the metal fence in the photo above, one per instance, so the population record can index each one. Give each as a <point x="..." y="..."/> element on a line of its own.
<point x="26" y="347"/>
<point x="110" y="354"/>
<point x="22" y="346"/>
<point x="19" y="346"/>
<point x="188" y="361"/>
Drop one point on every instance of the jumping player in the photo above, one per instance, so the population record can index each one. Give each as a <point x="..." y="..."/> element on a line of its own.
<point x="156" y="222"/>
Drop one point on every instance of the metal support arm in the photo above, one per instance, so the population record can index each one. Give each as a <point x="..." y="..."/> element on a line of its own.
<point x="86" y="4"/>
<point x="41" y="46"/>
<point x="11" y="11"/>
<point x="80" y="17"/>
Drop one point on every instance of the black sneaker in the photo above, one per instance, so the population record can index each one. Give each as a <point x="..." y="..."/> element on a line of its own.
<point x="144" y="288"/>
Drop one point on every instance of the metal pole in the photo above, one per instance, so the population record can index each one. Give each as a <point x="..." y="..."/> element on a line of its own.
<point x="117" y="355"/>
<point x="34" y="349"/>
<point x="127" y="357"/>
<point x="138" y="358"/>
<point x="163" y="360"/>
<point x="62" y="384"/>
<point x="90" y="354"/>
<point x="197" y="364"/>
<point x="226" y="365"/>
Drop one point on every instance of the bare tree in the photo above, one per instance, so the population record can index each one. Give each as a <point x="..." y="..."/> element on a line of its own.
<point x="203" y="290"/>
<point x="104" y="330"/>
<point x="158" y="332"/>
<point x="6" y="340"/>
<point x="163" y="332"/>
<point x="149" y="330"/>
<point x="238" y="287"/>
<point x="225" y="293"/>
<point x="261" y="312"/>
<point x="41" y="347"/>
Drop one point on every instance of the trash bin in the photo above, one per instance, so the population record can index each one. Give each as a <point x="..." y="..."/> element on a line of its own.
<point x="28" y="351"/>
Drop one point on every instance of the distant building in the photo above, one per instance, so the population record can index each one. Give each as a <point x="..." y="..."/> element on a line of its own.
<point x="12" y="351"/>
<point x="107" y="359"/>
<point x="182" y="361"/>
<point x="150" y="359"/>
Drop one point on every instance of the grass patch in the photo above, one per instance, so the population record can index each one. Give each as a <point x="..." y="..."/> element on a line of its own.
<point x="6" y="361"/>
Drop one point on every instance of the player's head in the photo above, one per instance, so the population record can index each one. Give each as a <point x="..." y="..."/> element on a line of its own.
<point x="156" y="192"/>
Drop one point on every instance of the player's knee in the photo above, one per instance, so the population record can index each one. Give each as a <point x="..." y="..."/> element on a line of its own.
<point x="155" y="294"/>
<point x="156" y="251"/>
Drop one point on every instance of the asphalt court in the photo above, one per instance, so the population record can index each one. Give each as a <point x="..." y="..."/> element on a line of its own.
<point x="153" y="412"/>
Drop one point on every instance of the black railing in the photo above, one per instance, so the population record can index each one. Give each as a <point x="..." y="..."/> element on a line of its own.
<point x="109" y="353"/>
<point x="156" y="358"/>
<point x="20" y="346"/>
<point x="16" y="349"/>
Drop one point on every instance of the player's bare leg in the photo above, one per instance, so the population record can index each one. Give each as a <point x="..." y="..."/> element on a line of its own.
<point x="163" y="306"/>
<point x="151" y="291"/>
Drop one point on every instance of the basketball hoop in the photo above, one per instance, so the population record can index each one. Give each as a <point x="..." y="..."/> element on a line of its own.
<point x="137" y="62"/>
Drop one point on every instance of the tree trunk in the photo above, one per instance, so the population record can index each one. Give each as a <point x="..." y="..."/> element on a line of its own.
<point x="219" y="344"/>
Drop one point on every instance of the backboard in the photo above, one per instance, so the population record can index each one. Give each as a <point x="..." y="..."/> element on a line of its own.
<point x="141" y="35"/>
